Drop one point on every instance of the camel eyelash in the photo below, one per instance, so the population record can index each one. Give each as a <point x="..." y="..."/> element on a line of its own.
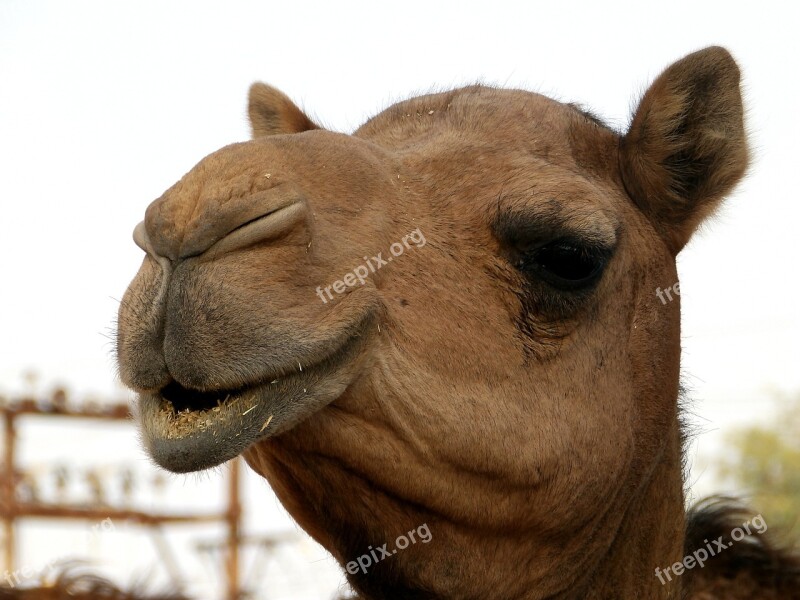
<point x="546" y="250"/>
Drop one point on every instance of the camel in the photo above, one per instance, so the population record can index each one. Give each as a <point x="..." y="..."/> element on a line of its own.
<point x="503" y="376"/>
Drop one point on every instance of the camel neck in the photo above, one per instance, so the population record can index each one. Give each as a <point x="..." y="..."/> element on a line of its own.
<point x="649" y="538"/>
<point x="393" y="547"/>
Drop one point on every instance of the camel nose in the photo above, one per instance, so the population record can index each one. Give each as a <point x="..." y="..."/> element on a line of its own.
<point x="142" y="240"/>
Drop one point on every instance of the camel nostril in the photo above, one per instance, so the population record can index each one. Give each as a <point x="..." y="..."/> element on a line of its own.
<point x="270" y="225"/>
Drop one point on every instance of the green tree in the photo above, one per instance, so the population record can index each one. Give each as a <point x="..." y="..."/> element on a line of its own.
<point x="764" y="461"/>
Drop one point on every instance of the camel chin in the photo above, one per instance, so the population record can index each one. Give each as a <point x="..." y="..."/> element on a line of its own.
<point x="187" y="430"/>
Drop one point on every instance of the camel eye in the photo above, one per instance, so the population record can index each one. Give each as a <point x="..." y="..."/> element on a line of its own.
<point x="566" y="265"/>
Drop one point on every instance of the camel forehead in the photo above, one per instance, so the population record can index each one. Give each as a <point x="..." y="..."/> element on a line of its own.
<point x="491" y="115"/>
<point x="460" y="137"/>
<point x="240" y="182"/>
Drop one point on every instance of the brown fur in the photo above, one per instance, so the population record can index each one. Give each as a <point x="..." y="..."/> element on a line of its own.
<point x="686" y="147"/>
<point x="534" y="430"/>
<point x="272" y="112"/>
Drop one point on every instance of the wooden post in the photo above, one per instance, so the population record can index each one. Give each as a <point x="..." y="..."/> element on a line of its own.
<point x="234" y="514"/>
<point x="9" y="491"/>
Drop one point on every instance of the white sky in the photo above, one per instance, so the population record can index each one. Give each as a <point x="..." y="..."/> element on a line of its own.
<point x="104" y="105"/>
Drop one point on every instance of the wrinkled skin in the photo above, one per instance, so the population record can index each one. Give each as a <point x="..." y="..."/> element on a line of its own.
<point x="511" y="382"/>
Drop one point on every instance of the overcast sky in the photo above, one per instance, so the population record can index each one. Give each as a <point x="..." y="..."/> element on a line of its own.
<point x="104" y="106"/>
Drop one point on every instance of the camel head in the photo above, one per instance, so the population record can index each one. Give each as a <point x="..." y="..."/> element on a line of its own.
<point x="451" y="317"/>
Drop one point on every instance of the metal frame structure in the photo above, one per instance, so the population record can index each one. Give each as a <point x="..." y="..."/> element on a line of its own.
<point x="13" y="509"/>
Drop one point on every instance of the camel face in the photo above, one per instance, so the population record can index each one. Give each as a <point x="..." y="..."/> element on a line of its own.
<point x="520" y="272"/>
<point x="250" y="214"/>
<point x="507" y="348"/>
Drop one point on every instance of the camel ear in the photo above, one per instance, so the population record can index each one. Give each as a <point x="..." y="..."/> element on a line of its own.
<point x="271" y="112"/>
<point x="686" y="147"/>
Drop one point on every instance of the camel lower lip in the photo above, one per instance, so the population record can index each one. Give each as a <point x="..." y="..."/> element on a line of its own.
<point x="201" y="436"/>
<point x="193" y="440"/>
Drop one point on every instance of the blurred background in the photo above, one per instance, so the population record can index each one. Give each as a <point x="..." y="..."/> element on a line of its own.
<point x="104" y="105"/>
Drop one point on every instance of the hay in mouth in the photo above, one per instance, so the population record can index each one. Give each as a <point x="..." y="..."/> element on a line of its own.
<point x="188" y="411"/>
<point x="182" y="398"/>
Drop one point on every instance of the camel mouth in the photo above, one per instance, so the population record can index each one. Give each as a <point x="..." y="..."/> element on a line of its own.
<point x="183" y="400"/>
<point x="185" y="429"/>
<point x="189" y="410"/>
